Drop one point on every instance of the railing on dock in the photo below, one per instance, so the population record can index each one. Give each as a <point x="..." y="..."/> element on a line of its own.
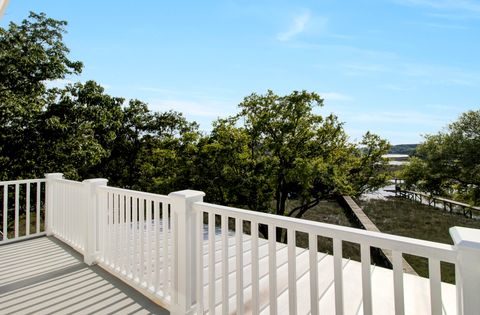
<point x="447" y="204"/>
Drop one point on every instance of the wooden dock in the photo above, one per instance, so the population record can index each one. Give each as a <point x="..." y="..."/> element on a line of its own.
<point x="368" y="225"/>
<point x="431" y="200"/>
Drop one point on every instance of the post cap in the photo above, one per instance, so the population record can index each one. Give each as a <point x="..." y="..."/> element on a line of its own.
<point x="96" y="181"/>
<point x="54" y="175"/>
<point x="187" y="193"/>
<point x="466" y="238"/>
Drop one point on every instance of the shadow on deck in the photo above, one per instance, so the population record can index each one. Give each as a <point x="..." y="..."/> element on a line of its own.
<point x="45" y="276"/>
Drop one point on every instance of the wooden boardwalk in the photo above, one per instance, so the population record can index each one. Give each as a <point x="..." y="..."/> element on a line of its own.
<point x="448" y="204"/>
<point x="368" y="225"/>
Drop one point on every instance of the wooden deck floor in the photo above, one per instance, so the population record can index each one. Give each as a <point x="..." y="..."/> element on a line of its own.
<point x="44" y="276"/>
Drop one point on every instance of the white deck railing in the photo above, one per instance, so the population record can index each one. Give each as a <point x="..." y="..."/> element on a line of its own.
<point x="23" y="205"/>
<point x="168" y="248"/>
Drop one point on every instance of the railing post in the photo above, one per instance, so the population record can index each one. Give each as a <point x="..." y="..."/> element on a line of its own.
<point x="185" y="239"/>
<point x="92" y="213"/>
<point x="50" y="200"/>
<point x="467" y="245"/>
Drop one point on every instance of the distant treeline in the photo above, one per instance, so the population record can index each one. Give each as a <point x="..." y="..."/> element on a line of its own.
<point x="403" y="149"/>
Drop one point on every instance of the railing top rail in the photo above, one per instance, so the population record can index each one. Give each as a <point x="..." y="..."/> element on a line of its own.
<point x="69" y="181"/>
<point x="443" y="252"/>
<point x="135" y="193"/>
<point x="22" y="181"/>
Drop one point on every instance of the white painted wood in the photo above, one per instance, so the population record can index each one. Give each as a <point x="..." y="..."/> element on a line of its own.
<point x="149" y="242"/>
<point x="26" y="192"/>
<point x="128" y="235"/>
<point x="17" y="206"/>
<point x="459" y="286"/>
<point x="225" y="288"/>
<point x="166" y="260"/>
<point x="135" y="239"/>
<point x="122" y="235"/>
<point x="27" y="209"/>
<point x="366" y="279"/>
<point x="255" y="272"/>
<point x="467" y="245"/>
<point x="338" y="275"/>
<point x="398" y="282"/>
<point x="110" y="240"/>
<point x="435" y="286"/>
<point x="5" y="211"/>
<point x="157" y="248"/>
<point x="247" y="270"/>
<point x="141" y="221"/>
<point x="272" y="269"/>
<point x="313" y="264"/>
<point x="38" y="200"/>
<point x="115" y="224"/>
<point x="239" y="265"/>
<point x="406" y="245"/>
<point x="211" y="263"/>
<point x="200" y="265"/>
<point x="292" y="272"/>
<point x="87" y="211"/>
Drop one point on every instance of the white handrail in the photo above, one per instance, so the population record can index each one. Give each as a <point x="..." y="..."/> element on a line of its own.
<point x="443" y="252"/>
<point x="434" y="252"/>
<point x="162" y="246"/>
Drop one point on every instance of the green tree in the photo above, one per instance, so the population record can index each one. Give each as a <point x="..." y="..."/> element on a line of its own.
<point x="448" y="162"/>
<point x="165" y="159"/>
<point x="30" y="54"/>
<point x="78" y="130"/>
<point x="278" y="149"/>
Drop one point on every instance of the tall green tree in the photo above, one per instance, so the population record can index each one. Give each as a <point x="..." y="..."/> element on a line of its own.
<point x="78" y="130"/>
<point x="30" y="54"/>
<point x="278" y="149"/>
<point x="448" y="163"/>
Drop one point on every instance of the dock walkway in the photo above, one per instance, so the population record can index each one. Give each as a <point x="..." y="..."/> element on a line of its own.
<point x="368" y="225"/>
<point x="431" y="200"/>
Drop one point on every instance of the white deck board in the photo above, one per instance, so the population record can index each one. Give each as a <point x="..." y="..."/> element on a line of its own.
<point x="44" y="276"/>
<point x="59" y="277"/>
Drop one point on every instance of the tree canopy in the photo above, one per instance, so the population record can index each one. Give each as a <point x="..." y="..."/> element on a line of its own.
<point x="448" y="163"/>
<point x="276" y="149"/>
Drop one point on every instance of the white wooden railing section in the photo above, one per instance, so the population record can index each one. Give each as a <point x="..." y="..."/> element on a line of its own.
<point x="191" y="256"/>
<point x="22" y="203"/>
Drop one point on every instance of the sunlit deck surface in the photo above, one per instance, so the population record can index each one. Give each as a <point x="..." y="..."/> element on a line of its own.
<point x="416" y="289"/>
<point x="45" y="276"/>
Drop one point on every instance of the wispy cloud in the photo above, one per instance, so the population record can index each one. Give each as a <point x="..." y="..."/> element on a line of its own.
<point x="425" y="74"/>
<point x="335" y="96"/>
<point x="464" y="5"/>
<point x="298" y="26"/>
<point x="446" y="26"/>
<point x="396" y="87"/>
<point x="404" y="118"/>
<point x="458" y="10"/>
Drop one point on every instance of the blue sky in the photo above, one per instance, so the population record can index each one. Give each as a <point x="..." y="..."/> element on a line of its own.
<point x="398" y="68"/>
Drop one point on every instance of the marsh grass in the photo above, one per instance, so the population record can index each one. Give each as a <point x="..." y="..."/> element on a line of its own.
<point x="407" y="218"/>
